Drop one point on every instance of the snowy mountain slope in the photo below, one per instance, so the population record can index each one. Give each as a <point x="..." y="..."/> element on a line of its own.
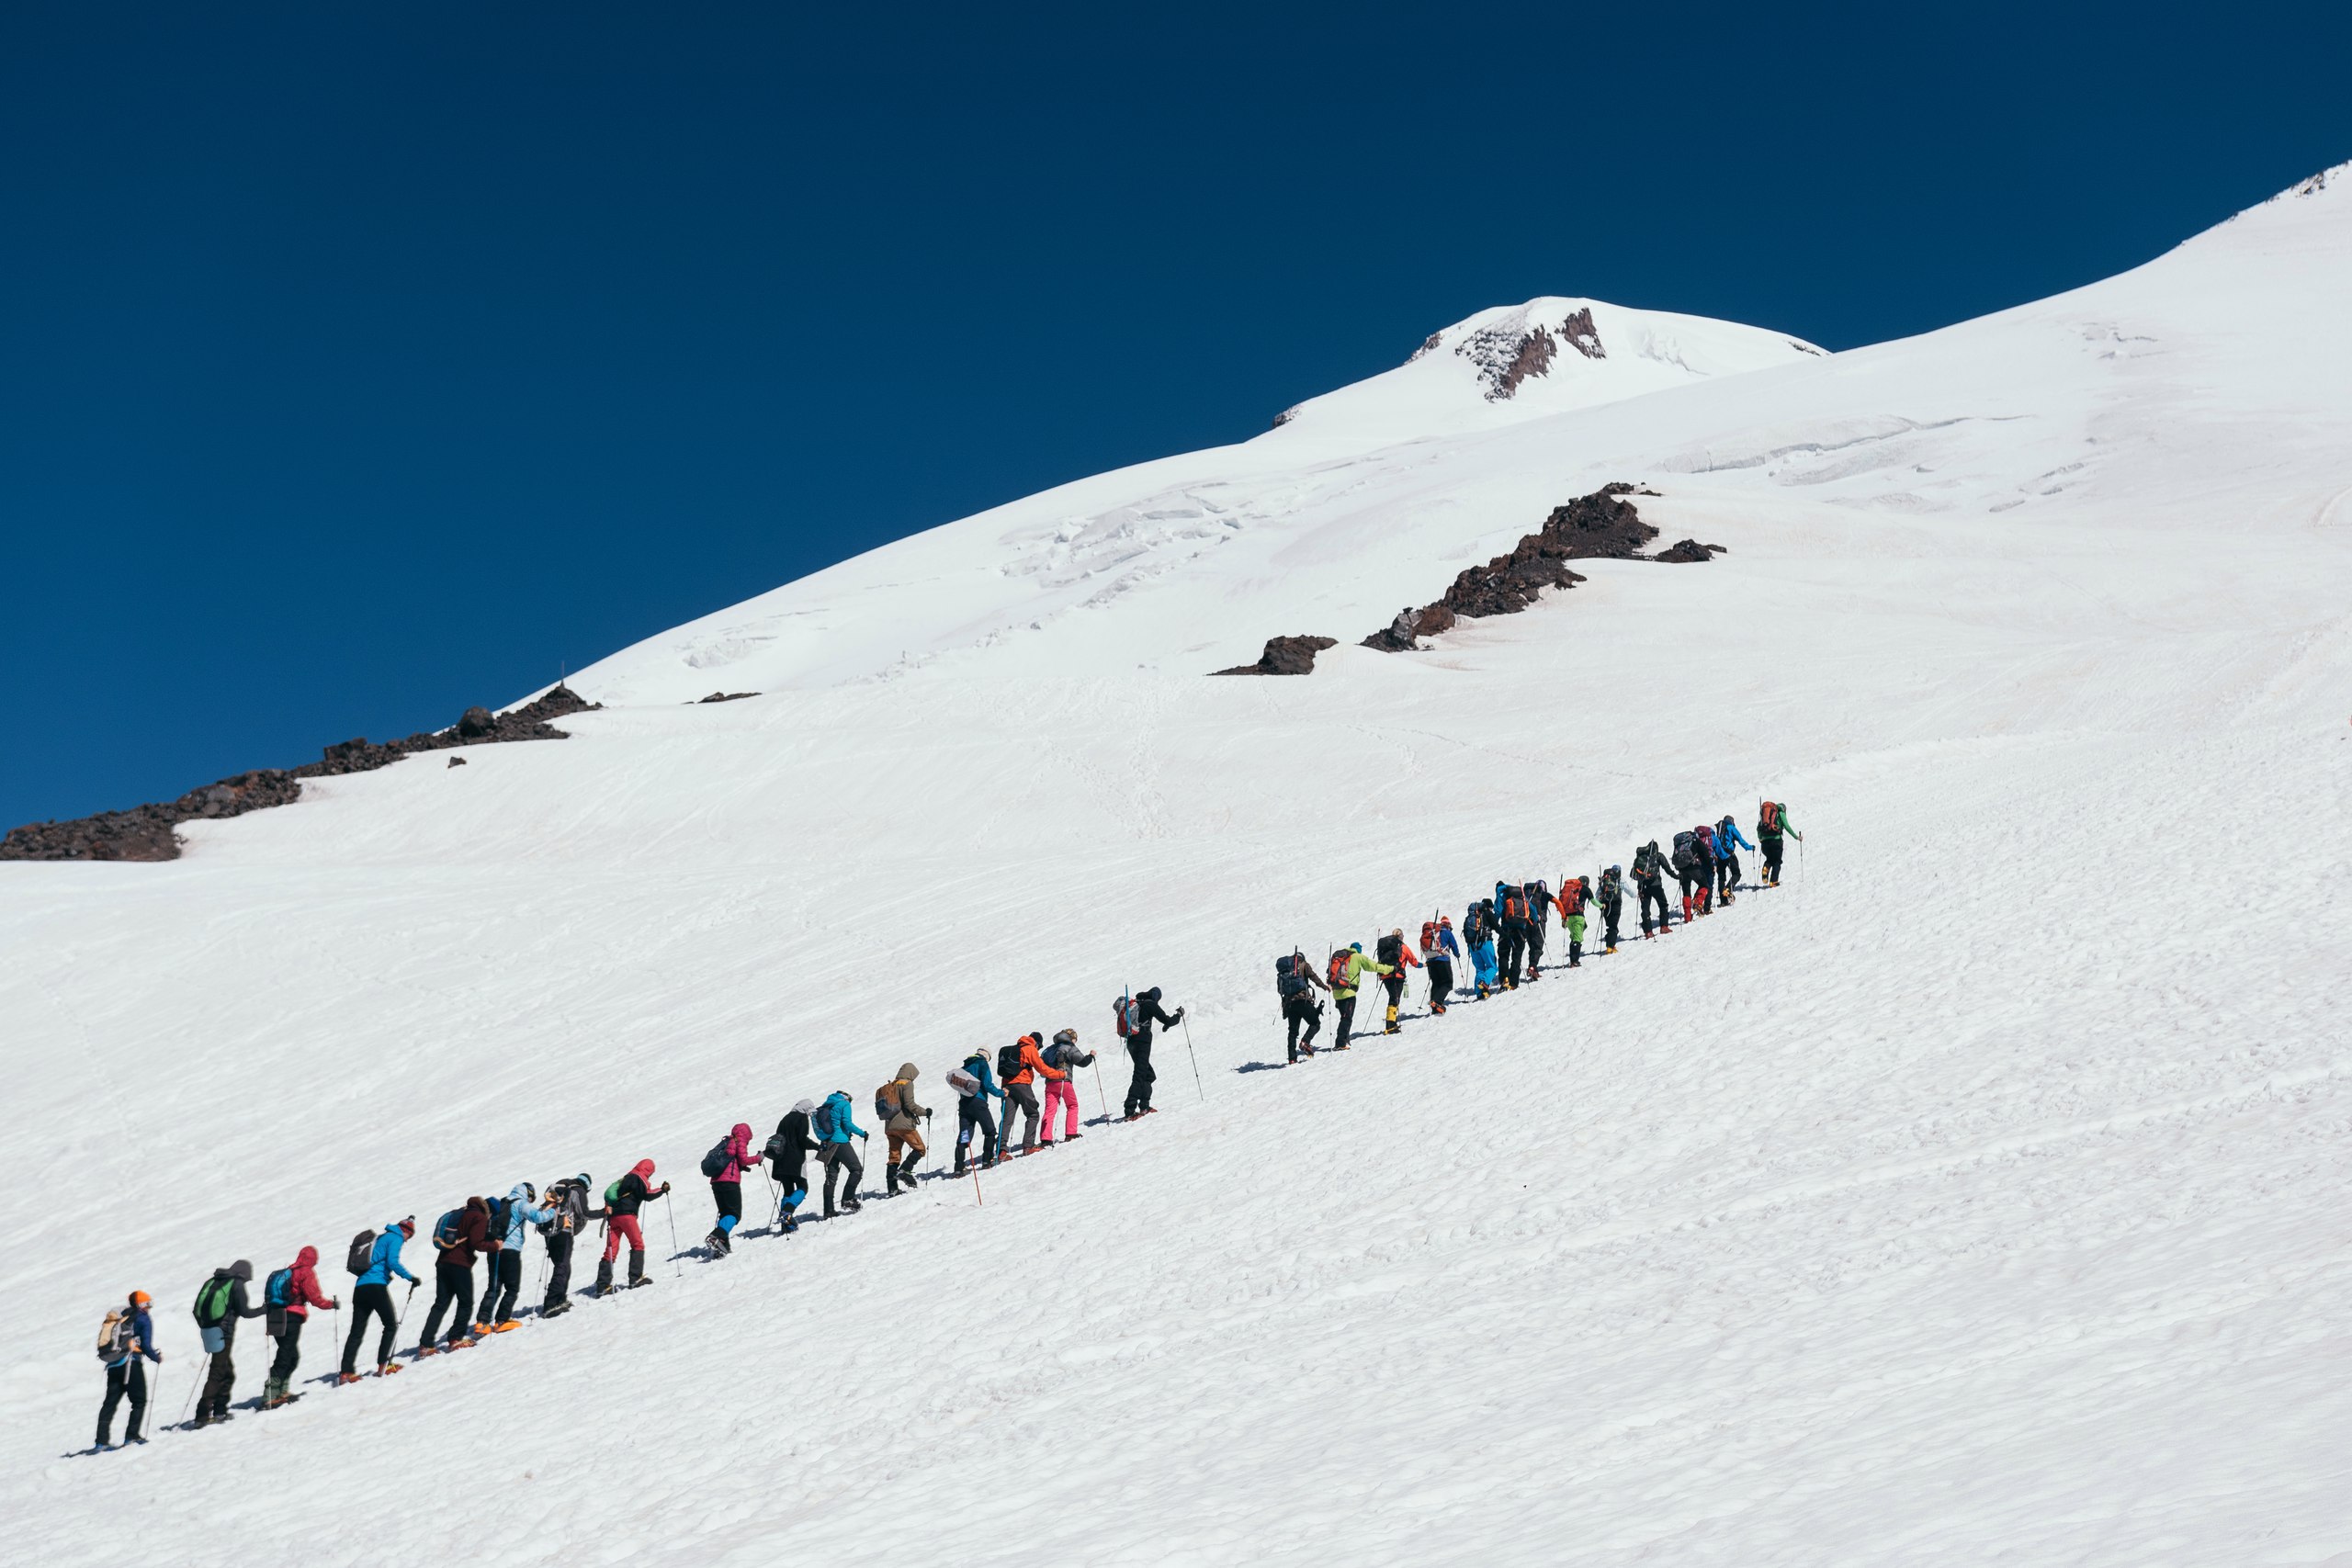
<point x="1974" y="1195"/>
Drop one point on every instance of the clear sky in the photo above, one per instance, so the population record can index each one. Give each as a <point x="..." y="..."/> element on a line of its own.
<point x="359" y="363"/>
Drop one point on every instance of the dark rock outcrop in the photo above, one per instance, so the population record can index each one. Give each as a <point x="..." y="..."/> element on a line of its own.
<point x="1285" y="656"/>
<point x="1582" y="335"/>
<point x="1602" y="525"/>
<point x="726" y="697"/>
<point x="146" y="832"/>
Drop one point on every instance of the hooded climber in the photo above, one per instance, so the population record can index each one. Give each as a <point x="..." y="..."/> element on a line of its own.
<point x="835" y="1125"/>
<point x="735" y="1158"/>
<point x="904" y="1119"/>
<point x="1146" y="1013"/>
<point x="294" y="1300"/>
<point x="623" y="1199"/>
<point x="1061" y="1061"/>
<point x="788" y="1154"/>
<point x="1349" y="966"/>
<point x="219" y="1305"/>
<point x="1539" y="912"/>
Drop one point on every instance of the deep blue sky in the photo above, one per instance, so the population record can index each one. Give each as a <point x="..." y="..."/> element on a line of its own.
<point x="359" y="363"/>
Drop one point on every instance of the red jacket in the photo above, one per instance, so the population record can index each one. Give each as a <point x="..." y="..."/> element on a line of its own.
<point x="302" y="1291"/>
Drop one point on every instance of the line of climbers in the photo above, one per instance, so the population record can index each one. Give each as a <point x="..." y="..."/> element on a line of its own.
<point x="495" y="1232"/>
<point x="1502" y="937"/>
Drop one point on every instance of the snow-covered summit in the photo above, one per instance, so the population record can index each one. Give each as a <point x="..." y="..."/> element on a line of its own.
<point x="1518" y="362"/>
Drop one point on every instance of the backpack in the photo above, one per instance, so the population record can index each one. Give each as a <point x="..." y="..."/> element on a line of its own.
<point x="613" y="1192"/>
<point x="116" y="1336"/>
<point x="280" y="1285"/>
<point x="1768" y="818"/>
<point x="1390" y="949"/>
<point x="500" y="1212"/>
<point x="822" y="1124"/>
<point x="561" y="1219"/>
<point x="444" y="1230"/>
<point x="963" y="1082"/>
<point x="885" y="1100"/>
<point x="362" y="1254"/>
<point x="1008" y="1061"/>
<point x="1514" y="905"/>
<point x="1336" y="970"/>
<point x="212" y="1301"/>
<point x="1123" y="1012"/>
<point x="1428" y="936"/>
<point x="1056" y="1054"/>
<point x="1289" y="983"/>
<point x="1682" y="843"/>
<point x="773" y="1148"/>
<point x="716" y="1160"/>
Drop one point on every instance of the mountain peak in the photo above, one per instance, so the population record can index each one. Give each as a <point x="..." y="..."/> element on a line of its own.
<point x="1546" y="356"/>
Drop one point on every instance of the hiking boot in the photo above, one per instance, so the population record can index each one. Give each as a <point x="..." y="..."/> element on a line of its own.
<point x="556" y="1311"/>
<point x="388" y="1368"/>
<point x="907" y="1171"/>
<point x="457" y="1342"/>
<point x="1073" y="1137"/>
<point x="424" y="1350"/>
<point x="604" y="1279"/>
<point x="508" y="1326"/>
<point x="346" y="1376"/>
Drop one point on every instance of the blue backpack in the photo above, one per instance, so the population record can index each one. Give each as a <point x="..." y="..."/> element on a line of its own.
<point x="822" y="1124"/>
<point x="280" y="1283"/>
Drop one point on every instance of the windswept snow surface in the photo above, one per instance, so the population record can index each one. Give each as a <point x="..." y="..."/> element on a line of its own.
<point x="1974" y="1197"/>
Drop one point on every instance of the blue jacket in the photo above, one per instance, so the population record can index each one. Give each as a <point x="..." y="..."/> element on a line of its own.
<point x="844" y="1127"/>
<point x="520" y="1214"/>
<point x="977" y="1065"/>
<point x="384" y="1258"/>
<point x="145" y="1330"/>
<point x="1445" y="943"/>
<point x="1727" y="834"/>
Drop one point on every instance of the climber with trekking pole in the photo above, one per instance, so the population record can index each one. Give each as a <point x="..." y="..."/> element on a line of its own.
<point x="1134" y="1016"/>
<point x="375" y="1258"/>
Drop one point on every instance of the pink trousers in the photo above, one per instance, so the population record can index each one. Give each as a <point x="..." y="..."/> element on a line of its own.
<point x="1062" y="1093"/>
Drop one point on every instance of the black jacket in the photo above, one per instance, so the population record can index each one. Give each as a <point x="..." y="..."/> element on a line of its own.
<point x="1147" y="1014"/>
<point x="239" y="1305"/>
<point x="794" y="1145"/>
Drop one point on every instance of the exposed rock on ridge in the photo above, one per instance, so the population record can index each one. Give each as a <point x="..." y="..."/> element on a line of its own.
<point x="147" y="832"/>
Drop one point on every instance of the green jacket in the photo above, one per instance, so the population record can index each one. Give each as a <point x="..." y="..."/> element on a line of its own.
<point x="1358" y="967"/>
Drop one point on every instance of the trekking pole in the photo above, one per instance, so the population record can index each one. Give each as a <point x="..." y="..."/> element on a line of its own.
<point x="972" y="1164"/>
<point x="1195" y="1060"/>
<point x="189" y="1403"/>
<point x="1101" y="1099"/>
<point x="677" y="1270"/>
<point x="774" y="1195"/>
<point x="401" y="1318"/>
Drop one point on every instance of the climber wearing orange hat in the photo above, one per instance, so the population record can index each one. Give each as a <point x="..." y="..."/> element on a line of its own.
<point x="127" y="1337"/>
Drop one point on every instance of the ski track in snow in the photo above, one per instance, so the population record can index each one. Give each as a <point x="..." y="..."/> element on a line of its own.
<point x="1974" y="1196"/>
